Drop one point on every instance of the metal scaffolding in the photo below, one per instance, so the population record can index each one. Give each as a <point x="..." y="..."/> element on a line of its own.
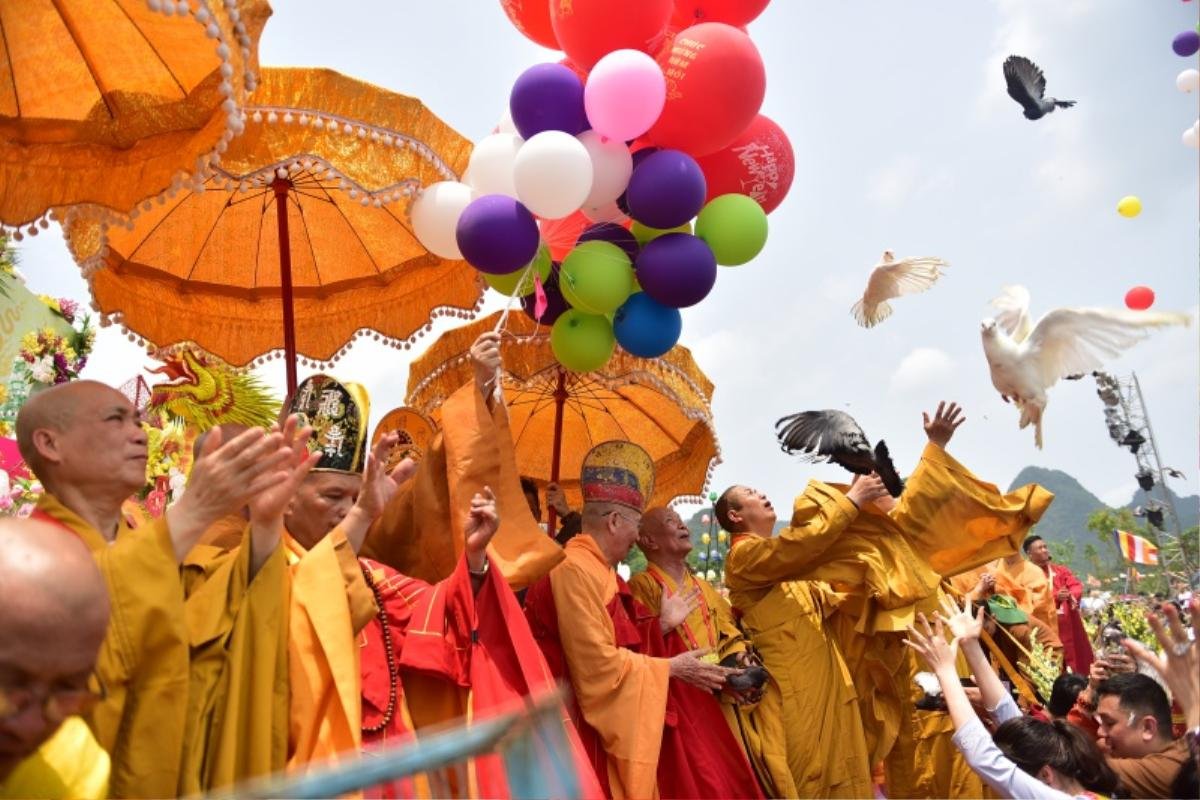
<point x="1128" y="424"/>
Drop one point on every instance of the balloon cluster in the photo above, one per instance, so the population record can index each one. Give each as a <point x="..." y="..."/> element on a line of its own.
<point x="623" y="175"/>
<point x="1187" y="44"/>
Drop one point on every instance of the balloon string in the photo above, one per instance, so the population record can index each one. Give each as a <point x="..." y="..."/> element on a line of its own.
<point x="502" y="323"/>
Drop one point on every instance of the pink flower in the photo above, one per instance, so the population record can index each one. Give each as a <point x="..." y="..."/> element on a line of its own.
<point x="6" y="502"/>
<point x="24" y="511"/>
<point x="68" y="308"/>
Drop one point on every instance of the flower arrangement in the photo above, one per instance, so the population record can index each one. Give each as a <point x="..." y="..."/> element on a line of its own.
<point x="1042" y="668"/>
<point x="18" y="496"/>
<point x="51" y="358"/>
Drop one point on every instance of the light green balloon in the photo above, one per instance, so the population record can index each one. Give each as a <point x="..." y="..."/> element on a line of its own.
<point x="508" y="283"/>
<point x="644" y="234"/>
<point x="582" y="342"/>
<point x="734" y="226"/>
<point x="596" y="277"/>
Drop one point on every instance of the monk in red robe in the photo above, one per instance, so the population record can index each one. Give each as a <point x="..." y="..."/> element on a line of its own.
<point x="1068" y="591"/>
<point x="644" y="737"/>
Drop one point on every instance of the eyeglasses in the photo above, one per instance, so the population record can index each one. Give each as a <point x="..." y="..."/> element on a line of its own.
<point x="635" y="522"/>
<point x="57" y="704"/>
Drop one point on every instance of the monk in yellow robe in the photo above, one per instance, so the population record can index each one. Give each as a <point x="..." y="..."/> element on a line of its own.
<point x="52" y="621"/>
<point x="1034" y="593"/>
<point x="84" y="442"/>
<point x="667" y="583"/>
<point x="606" y="644"/>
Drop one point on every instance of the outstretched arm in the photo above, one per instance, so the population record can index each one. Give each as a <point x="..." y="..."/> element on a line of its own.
<point x="945" y="422"/>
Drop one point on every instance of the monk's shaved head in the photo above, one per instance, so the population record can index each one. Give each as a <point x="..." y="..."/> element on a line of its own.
<point x="53" y="619"/>
<point x="663" y="536"/>
<point x="655" y="519"/>
<point x="52" y="408"/>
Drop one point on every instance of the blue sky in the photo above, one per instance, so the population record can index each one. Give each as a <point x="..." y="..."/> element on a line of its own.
<point x="904" y="139"/>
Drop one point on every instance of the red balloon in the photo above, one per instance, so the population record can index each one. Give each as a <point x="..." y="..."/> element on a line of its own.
<point x="560" y="235"/>
<point x="588" y="30"/>
<point x="578" y="70"/>
<point x="732" y="12"/>
<point x="532" y="18"/>
<point x="715" y="86"/>
<point x="1139" y="298"/>
<point x="759" y="163"/>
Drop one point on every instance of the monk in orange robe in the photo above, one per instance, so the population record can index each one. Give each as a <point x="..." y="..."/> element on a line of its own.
<point x="606" y="644"/>
<point x="701" y="757"/>
<point x="85" y="443"/>
<point x="1033" y="593"/>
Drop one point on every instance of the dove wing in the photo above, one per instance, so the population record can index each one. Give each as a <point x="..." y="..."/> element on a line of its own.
<point x="826" y="435"/>
<point x="907" y="276"/>
<point x="1026" y="83"/>
<point x="1013" y="305"/>
<point x="1069" y="341"/>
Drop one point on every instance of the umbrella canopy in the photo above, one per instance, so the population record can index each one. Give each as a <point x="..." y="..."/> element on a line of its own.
<point x="327" y="165"/>
<point x="662" y="404"/>
<point x="108" y="101"/>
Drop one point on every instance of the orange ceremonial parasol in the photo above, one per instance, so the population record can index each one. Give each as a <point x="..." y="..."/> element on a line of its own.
<point x="109" y="101"/>
<point x="327" y="166"/>
<point x="556" y="416"/>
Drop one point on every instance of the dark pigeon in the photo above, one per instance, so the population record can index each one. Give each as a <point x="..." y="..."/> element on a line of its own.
<point x="1027" y="85"/>
<point x="834" y="436"/>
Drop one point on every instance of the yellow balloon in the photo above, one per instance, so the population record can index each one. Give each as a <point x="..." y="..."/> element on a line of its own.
<point x="705" y="538"/>
<point x="721" y="536"/>
<point x="1129" y="206"/>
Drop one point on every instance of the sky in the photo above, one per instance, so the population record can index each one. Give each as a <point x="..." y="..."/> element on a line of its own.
<point x="904" y="139"/>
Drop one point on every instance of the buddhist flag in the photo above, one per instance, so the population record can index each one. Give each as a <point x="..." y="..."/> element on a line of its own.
<point x="1136" y="549"/>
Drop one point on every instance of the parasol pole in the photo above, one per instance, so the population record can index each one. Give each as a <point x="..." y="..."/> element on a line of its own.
<point x="560" y="399"/>
<point x="281" y="187"/>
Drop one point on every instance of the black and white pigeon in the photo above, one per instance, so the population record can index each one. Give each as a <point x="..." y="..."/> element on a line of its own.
<point x="1027" y="85"/>
<point x="834" y="437"/>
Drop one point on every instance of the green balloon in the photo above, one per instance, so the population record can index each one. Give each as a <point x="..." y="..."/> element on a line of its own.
<point x="582" y="342"/>
<point x="734" y="226"/>
<point x="596" y="277"/>
<point x="508" y="283"/>
<point x="644" y="234"/>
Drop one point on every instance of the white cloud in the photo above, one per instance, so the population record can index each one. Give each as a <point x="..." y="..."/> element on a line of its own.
<point x="921" y="369"/>
<point x="1120" y="495"/>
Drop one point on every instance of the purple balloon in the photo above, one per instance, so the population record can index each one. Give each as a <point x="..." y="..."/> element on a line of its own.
<point x="497" y="234"/>
<point x="556" y="305"/>
<point x="1186" y="44"/>
<point x="638" y="158"/>
<point x="677" y="269"/>
<point x="548" y="97"/>
<point x="614" y="233"/>
<point x="666" y="190"/>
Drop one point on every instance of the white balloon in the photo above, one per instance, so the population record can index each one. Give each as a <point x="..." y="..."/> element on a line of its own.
<point x="553" y="174"/>
<point x="1188" y="80"/>
<point x="435" y="214"/>
<point x="612" y="165"/>
<point x="1191" y="137"/>
<point x="609" y="212"/>
<point x="490" y="169"/>
<point x="506" y="124"/>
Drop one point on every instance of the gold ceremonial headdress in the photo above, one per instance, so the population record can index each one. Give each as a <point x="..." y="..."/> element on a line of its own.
<point x="617" y="472"/>
<point x="416" y="435"/>
<point x="338" y="415"/>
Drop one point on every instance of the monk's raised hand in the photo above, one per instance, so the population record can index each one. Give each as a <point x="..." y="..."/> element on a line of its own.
<point x="675" y="608"/>
<point x="482" y="523"/>
<point x="269" y="505"/>
<point x="945" y="422"/>
<point x="690" y="667"/>
<point x="379" y="486"/>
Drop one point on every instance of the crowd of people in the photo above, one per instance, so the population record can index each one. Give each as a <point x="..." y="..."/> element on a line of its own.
<point x="310" y="597"/>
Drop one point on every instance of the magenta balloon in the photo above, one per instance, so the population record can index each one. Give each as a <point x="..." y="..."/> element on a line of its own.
<point x="676" y="269"/>
<point x="666" y="190"/>
<point x="496" y="234"/>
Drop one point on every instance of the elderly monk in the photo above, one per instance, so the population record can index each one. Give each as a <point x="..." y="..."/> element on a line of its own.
<point x="786" y="619"/>
<point x="700" y="756"/>
<point x="608" y="645"/>
<point x="52" y="620"/>
<point x="85" y="443"/>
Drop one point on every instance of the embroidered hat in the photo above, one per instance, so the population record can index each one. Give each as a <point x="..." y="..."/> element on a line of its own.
<point x="617" y="472"/>
<point x="338" y="415"/>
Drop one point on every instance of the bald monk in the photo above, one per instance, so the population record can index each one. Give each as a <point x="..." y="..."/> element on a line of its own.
<point x="84" y="442"/>
<point x="712" y="761"/>
<point x="786" y="619"/>
<point x="1034" y="594"/>
<point x="53" y="617"/>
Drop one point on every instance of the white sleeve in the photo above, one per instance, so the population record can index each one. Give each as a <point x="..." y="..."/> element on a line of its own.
<point x="996" y="769"/>
<point x="1005" y="710"/>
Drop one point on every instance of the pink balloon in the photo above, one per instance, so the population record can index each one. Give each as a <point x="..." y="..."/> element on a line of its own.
<point x="624" y="94"/>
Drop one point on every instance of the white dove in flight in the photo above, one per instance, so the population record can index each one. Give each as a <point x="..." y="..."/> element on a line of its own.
<point x="890" y="279"/>
<point x="1025" y="361"/>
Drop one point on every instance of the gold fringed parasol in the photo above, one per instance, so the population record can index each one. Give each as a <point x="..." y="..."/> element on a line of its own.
<point x="556" y="416"/>
<point x="109" y="101"/>
<point x="343" y="158"/>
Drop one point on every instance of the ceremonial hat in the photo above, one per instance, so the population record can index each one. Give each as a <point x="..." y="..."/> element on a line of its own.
<point x="617" y="472"/>
<point x="1005" y="610"/>
<point x="338" y="415"/>
<point x="416" y="433"/>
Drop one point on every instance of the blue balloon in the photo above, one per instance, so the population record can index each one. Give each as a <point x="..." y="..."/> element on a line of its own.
<point x="702" y="556"/>
<point x="666" y="190"/>
<point x="645" y="327"/>
<point x="548" y="97"/>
